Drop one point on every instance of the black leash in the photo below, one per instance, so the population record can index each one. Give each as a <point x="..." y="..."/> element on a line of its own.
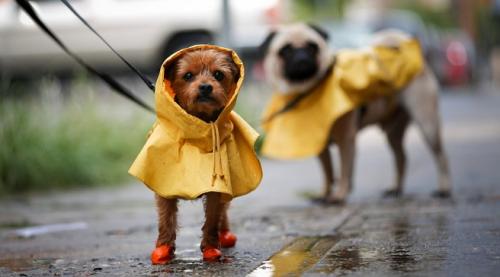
<point x="141" y="75"/>
<point x="26" y="6"/>
<point x="288" y="106"/>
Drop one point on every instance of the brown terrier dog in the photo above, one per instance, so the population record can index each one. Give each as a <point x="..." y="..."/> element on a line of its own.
<point x="202" y="81"/>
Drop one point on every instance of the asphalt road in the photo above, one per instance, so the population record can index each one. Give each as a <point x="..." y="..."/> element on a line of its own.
<point x="279" y="230"/>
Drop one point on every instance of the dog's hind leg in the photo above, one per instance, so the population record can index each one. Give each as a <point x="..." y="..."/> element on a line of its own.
<point x="226" y="237"/>
<point x="224" y="219"/>
<point x="325" y="159"/>
<point x="395" y="130"/>
<point x="432" y="135"/>
<point x="421" y="100"/>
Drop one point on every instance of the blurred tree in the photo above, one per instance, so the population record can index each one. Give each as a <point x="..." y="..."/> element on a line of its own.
<point x="317" y="10"/>
<point x="488" y="26"/>
<point x="440" y="18"/>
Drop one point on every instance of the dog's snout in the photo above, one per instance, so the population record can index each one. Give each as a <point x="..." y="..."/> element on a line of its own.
<point x="205" y="89"/>
<point x="302" y="56"/>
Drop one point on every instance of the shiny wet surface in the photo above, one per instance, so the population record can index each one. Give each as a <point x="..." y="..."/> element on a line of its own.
<point x="414" y="236"/>
<point x="297" y="257"/>
<point x="404" y="237"/>
<point x="418" y="238"/>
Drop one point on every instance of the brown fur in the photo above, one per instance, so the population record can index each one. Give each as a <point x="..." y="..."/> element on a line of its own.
<point x="202" y="64"/>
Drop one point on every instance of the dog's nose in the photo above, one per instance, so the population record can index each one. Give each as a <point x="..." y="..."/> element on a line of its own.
<point x="205" y="89"/>
<point x="302" y="56"/>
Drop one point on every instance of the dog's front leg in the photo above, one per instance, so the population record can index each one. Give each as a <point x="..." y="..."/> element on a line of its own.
<point x="347" y="152"/>
<point x="167" y="227"/>
<point x="167" y="221"/>
<point x="328" y="172"/>
<point x="213" y="213"/>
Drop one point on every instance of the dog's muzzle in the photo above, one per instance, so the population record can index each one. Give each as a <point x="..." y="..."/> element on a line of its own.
<point x="300" y="66"/>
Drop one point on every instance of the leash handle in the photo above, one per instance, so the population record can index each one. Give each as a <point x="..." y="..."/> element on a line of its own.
<point x="133" y="68"/>
<point x="26" y="6"/>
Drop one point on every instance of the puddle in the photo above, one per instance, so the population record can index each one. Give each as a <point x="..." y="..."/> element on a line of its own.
<point x="400" y="245"/>
<point x="130" y="231"/>
<point x="29" y="232"/>
<point x="296" y="257"/>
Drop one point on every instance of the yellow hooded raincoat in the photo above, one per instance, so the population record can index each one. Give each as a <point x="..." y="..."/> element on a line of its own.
<point x="358" y="76"/>
<point x="185" y="157"/>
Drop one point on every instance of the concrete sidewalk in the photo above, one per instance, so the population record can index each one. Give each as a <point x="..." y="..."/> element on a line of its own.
<point x="279" y="230"/>
<point x="403" y="237"/>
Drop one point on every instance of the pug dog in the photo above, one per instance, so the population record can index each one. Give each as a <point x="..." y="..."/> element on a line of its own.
<point x="296" y="59"/>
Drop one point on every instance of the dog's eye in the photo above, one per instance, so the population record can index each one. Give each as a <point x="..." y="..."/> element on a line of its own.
<point x="285" y="50"/>
<point x="312" y="46"/>
<point x="219" y="76"/>
<point x="188" y="76"/>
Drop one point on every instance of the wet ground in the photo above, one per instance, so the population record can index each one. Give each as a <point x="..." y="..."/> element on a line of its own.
<point x="280" y="232"/>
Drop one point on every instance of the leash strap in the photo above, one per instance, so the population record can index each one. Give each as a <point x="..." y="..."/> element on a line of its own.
<point x="26" y="6"/>
<point x="133" y="68"/>
<point x="285" y="108"/>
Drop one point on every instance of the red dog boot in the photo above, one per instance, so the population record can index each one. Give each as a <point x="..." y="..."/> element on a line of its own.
<point x="211" y="254"/>
<point x="162" y="255"/>
<point x="227" y="239"/>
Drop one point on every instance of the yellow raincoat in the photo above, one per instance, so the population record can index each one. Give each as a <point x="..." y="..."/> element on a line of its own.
<point x="357" y="77"/>
<point x="185" y="157"/>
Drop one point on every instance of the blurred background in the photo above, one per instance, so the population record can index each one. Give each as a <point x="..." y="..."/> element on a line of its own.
<point x="60" y="127"/>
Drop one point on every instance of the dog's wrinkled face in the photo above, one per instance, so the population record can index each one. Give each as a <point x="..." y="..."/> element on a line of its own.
<point x="299" y="62"/>
<point x="296" y="57"/>
<point x="202" y="81"/>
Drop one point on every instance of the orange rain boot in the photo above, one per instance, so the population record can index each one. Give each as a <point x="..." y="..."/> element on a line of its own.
<point x="227" y="239"/>
<point x="211" y="254"/>
<point x="162" y="255"/>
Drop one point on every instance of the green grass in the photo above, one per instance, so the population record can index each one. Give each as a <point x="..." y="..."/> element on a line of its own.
<point x="86" y="136"/>
<point x="45" y="145"/>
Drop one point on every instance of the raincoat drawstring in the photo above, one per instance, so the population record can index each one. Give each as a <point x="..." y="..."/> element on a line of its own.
<point x="217" y="158"/>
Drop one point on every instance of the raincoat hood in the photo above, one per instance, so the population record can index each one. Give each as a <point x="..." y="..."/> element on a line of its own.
<point x="185" y="157"/>
<point x="358" y="76"/>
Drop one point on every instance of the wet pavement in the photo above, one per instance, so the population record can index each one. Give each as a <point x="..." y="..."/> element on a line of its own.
<point x="418" y="238"/>
<point x="280" y="232"/>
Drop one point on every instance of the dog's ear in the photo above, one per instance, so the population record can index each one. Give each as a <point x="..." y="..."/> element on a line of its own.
<point x="170" y="71"/>
<point x="319" y="30"/>
<point x="264" y="46"/>
<point x="235" y="71"/>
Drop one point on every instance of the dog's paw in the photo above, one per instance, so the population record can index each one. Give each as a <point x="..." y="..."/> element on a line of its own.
<point x="334" y="201"/>
<point x="211" y="254"/>
<point x="162" y="255"/>
<point x="320" y="200"/>
<point x="227" y="239"/>
<point x="441" y="194"/>
<point x="392" y="193"/>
